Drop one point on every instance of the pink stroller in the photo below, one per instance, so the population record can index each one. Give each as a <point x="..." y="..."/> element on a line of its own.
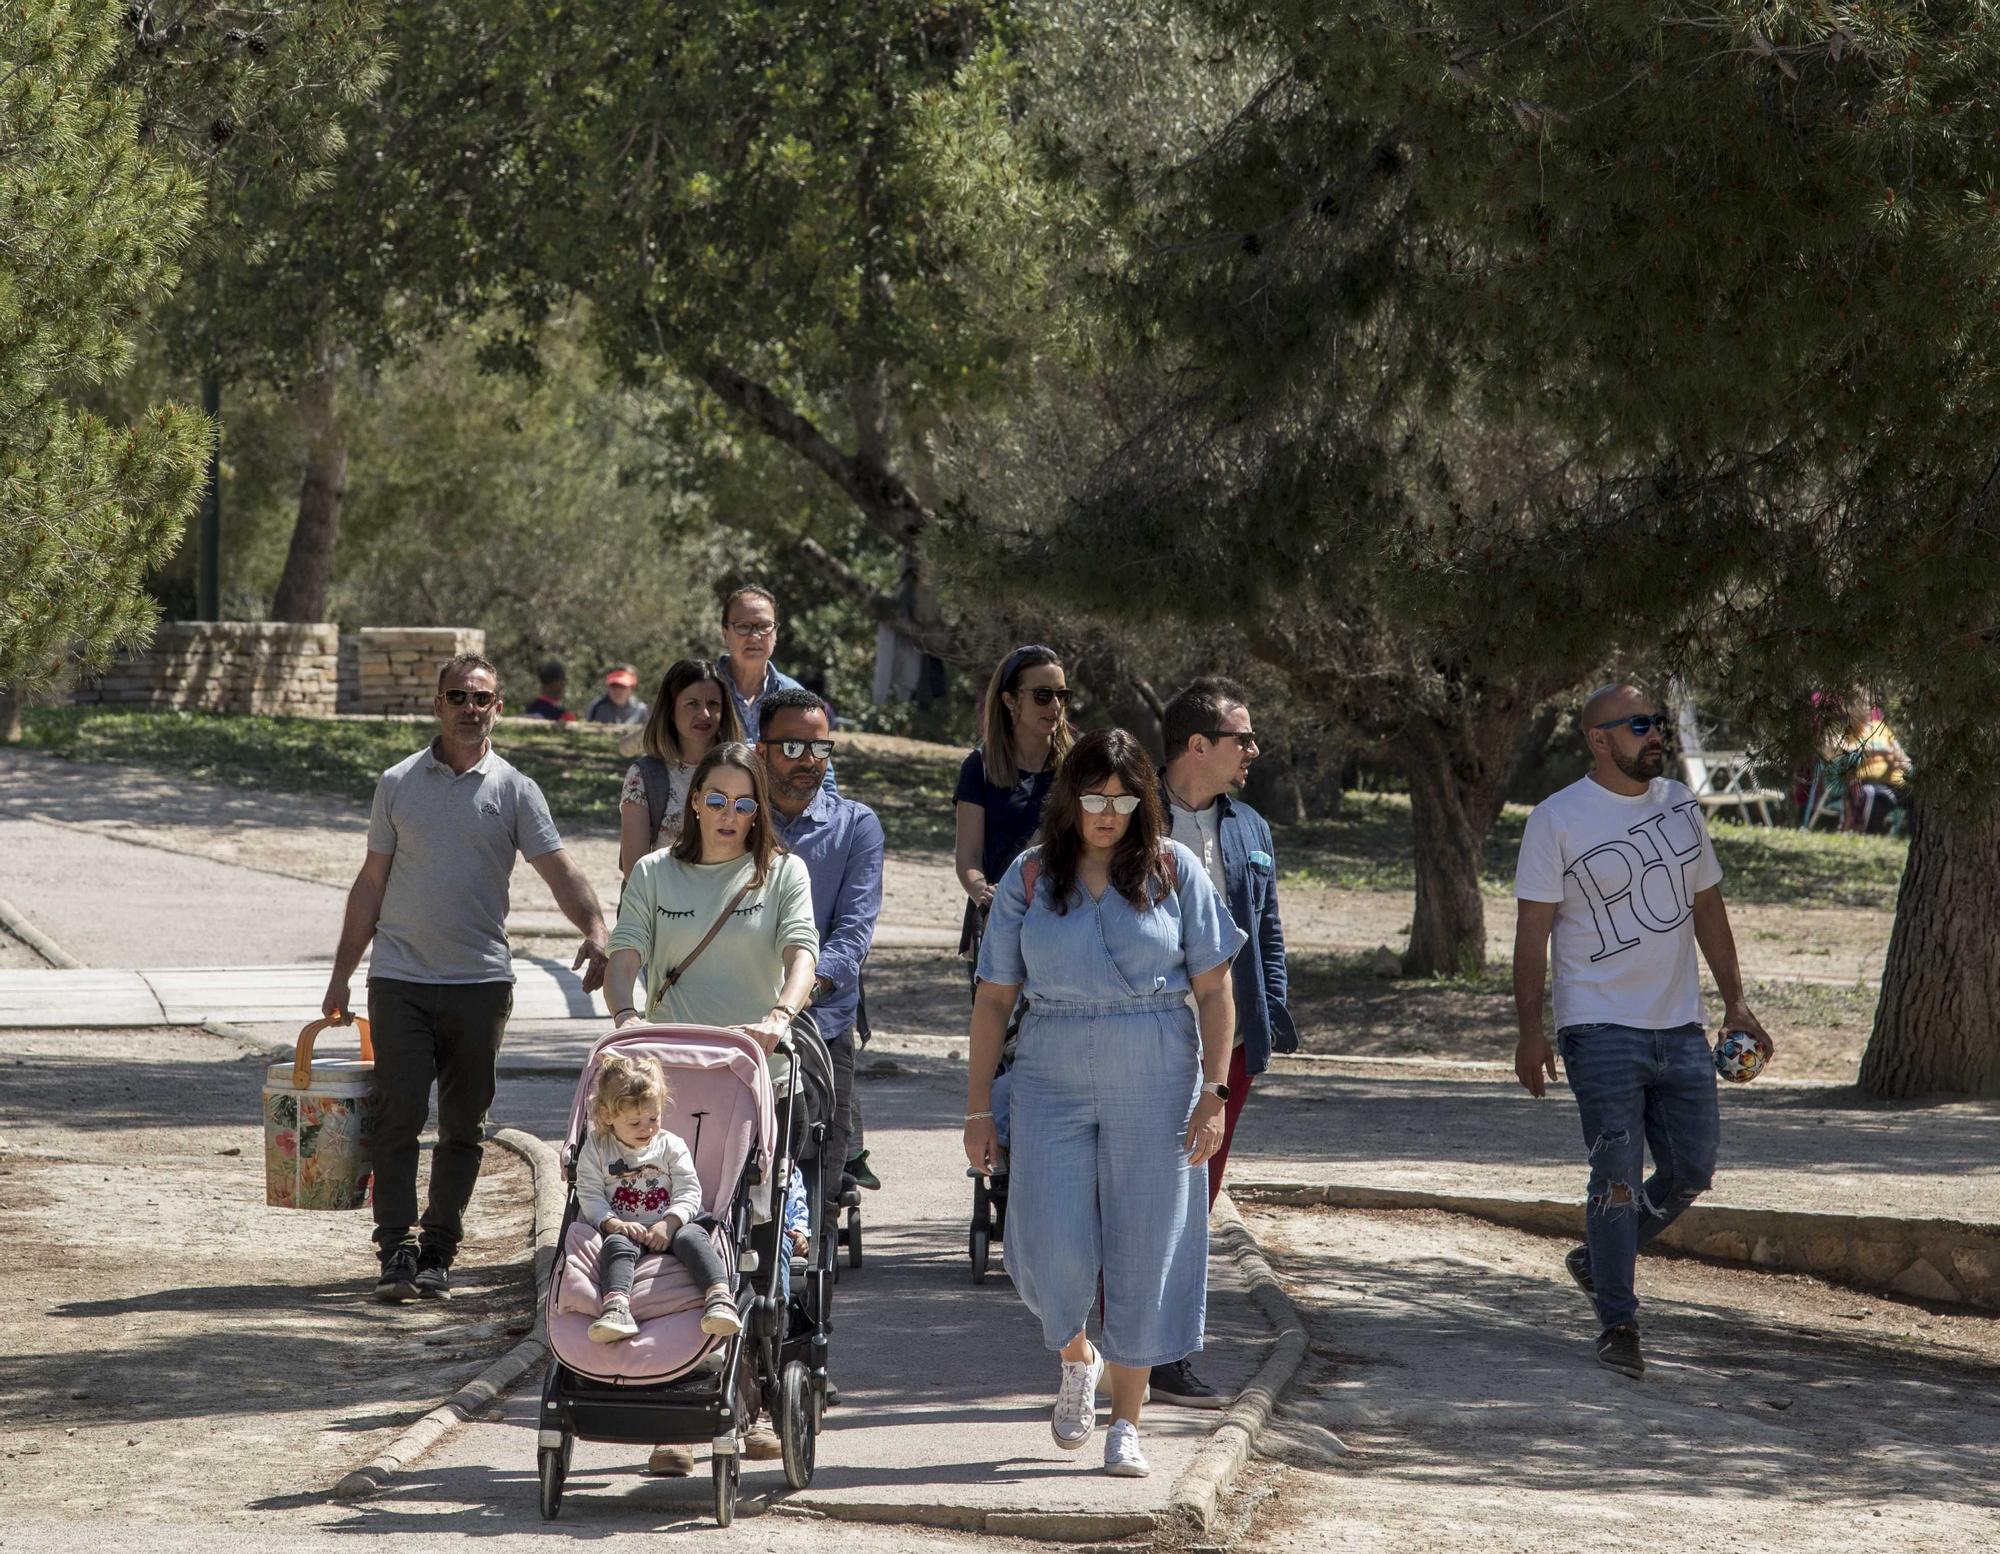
<point x="673" y="1383"/>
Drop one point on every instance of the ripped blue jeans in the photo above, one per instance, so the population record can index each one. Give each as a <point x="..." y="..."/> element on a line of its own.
<point x="1638" y="1090"/>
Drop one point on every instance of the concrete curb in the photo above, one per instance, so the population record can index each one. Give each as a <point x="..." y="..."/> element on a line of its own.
<point x="499" y="1378"/>
<point x="17" y="925"/>
<point x="1946" y="1262"/>
<point x="1192" y="1503"/>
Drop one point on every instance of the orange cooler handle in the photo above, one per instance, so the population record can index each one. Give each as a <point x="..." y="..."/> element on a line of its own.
<point x="302" y="1054"/>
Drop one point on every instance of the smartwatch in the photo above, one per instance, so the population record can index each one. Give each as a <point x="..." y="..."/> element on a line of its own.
<point x="1219" y="1091"/>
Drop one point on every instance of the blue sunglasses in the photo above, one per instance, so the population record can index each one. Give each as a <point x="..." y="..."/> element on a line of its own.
<point x="1642" y="726"/>
<point x="720" y="801"/>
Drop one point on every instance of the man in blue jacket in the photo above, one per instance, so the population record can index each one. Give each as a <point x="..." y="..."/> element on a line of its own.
<point x="1210" y="746"/>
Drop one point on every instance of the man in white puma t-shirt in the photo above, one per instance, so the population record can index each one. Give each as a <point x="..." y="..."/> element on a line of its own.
<point x="1618" y="867"/>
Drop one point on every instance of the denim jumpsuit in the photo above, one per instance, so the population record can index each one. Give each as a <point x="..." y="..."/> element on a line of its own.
<point x="1106" y="1074"/>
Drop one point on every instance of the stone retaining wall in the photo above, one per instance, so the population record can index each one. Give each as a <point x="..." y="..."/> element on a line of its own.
<point x="1945" y="1261"/>
<point x="394" y="669"/>
<point x="225" y="666"/>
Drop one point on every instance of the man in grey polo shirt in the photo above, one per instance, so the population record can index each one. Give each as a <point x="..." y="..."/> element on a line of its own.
<point x="432" y="894"/>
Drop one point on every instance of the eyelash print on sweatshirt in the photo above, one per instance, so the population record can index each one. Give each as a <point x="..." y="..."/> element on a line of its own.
<point x="664" y="912"/>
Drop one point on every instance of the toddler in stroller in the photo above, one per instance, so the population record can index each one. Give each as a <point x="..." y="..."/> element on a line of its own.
<point x="684" y="1376"/>
<point x="637" y="1183"/>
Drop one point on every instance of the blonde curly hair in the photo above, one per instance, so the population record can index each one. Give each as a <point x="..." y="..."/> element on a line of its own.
<point x="626" y="1081"/>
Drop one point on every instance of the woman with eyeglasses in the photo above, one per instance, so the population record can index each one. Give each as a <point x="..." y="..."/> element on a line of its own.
<point x="692" y="714"/>
<point x="1004" y="783"/>
<point x="1105" y="928"/>
<point x="726" y="867"/>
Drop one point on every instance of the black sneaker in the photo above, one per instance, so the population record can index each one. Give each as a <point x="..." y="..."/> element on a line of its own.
<point x="863" y="1177"/>
<point x="1618" y="1350"/>
<point x="399" y="1275"/>
<point x="1178" y="1384"/>
<point x="1578" y="1264"/>
<point x="433" y="1275"/>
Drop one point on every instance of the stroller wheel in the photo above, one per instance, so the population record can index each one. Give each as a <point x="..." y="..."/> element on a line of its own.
<point x="725" y="1488"/>
<point x="980" y="1243"/>
<point x="854" y="1238"/>
<point x="554" y="1462"/>
<point x="798" y="1427"/>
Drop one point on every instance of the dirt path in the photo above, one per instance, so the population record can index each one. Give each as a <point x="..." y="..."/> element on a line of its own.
<point x="1777" y="1414"/>
<point x="155" y="1316"/>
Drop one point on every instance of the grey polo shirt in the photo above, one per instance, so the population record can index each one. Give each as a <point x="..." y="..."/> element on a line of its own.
<point x="452" y="837"/>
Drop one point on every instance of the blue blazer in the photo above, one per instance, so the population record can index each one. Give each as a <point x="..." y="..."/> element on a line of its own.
<point x="1258" y="974"/>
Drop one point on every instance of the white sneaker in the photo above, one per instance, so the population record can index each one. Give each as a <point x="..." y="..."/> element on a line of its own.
<point x="1075" y="1416"/>
<point x="615" y="1323"/>
<point x="719" y="1318"/>
<point x="1122" y="1457"/>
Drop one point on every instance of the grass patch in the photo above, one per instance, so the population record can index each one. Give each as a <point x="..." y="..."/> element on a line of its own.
<point x="1368" y="846"/>
<point x="578" y="766"/>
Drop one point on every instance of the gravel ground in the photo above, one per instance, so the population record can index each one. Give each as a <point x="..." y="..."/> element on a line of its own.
<point x="1778" y="1415"/>
<point x="164" y="1337"/>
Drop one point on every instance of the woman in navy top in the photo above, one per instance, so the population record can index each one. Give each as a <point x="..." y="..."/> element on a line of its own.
<point x="1005" y="782"/>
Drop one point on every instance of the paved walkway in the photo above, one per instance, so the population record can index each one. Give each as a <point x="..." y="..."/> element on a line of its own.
<point x="946" y="1384"/>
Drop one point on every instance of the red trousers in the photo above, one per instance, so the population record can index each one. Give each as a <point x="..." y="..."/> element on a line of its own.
<point x="1239" y="1092"/>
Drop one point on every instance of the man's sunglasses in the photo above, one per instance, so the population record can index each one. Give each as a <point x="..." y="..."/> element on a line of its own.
<point x="1098" y="803"/>
<point x="721" y="801"/>
<point x="1642" y="726"/>
<point x="1242" y="736"/>
<point x="480" y="699"/>
<point x="792" y="749"/>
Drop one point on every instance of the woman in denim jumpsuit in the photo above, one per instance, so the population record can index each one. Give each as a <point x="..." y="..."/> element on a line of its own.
<point x="1112" y="1123"/>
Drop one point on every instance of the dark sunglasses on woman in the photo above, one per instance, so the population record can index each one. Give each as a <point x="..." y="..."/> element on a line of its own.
<point x="481" y="699"/>
<point x="720" y="801"/>
<point x="1098" y="803"/>
<point x="1044" y="694"/>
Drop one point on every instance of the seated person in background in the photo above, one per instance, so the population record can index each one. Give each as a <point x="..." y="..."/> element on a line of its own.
<point x="548" y="705"/>
<point x="618" y="704"/>
<point x="1874" y="767"/>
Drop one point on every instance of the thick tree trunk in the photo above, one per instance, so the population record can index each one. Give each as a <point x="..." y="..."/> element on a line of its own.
<point x="308" y="575"/>
<point x="1457" y="773"/>
<point x="1937" y="1022"/>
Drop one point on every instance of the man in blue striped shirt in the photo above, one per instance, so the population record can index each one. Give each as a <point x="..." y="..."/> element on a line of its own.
<point x="840" y="842"/>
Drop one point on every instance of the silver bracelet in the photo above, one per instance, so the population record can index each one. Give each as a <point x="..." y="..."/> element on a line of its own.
<point x="978" y="1116"/>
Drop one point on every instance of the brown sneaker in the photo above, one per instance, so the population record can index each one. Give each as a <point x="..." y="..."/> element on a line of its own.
<point x="670" y="1462"/>
<point x="761" y="1444"/>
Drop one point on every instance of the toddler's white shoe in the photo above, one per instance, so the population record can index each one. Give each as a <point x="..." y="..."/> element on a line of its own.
<point x="1122" y="1457"/>
<point x="719" y="1317"/>
<point x="614" y="1323"/>
<point x="1075" y="1416"/>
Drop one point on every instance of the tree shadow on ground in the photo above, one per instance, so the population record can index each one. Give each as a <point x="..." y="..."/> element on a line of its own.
<point x="1441" y="1371"/>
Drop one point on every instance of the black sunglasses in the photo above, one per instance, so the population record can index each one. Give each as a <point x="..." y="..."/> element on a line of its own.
<point x="482" y="699"/>
<point x="820" y="749"/>
<point x="1642" y="726"/>
<point x="1242" y="736"/>
<point x="1044" y="694"/>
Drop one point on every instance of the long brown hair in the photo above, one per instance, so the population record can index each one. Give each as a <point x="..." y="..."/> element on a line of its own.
<point x="997" y="731"/>
<point x="764" y="843"/>
<point x="662" y="739"/>
<point x="1140" y="871"/>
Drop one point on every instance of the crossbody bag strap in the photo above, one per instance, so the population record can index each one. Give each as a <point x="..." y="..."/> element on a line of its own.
<point x="714" y="928"/>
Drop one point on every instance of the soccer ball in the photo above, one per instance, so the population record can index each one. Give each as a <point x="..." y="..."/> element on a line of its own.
<point x="1738" y="1058"/>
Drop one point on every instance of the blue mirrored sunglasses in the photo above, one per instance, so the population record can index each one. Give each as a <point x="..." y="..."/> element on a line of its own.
<point x="1642" y="726"/>
<point x="717" y="801"/>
